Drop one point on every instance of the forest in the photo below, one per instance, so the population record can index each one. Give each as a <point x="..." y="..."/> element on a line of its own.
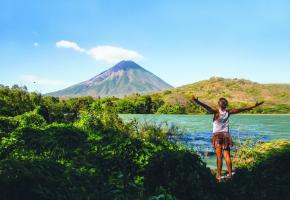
<point x="79" y="148"/>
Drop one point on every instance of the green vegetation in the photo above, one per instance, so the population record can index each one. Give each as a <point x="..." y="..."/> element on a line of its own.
<point x="80" y="149"/>
<point x="262" y="171"/>
<point x="239" y="92"/>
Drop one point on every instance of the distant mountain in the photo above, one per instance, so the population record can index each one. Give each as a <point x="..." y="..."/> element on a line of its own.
<point x="124" y="78"/>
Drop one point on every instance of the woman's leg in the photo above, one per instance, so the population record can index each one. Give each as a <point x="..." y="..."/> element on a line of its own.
<point x="218" y="151"/>
<point x="227" y="156"/>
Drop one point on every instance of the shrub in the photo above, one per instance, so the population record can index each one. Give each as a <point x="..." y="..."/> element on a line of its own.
<point x="7" y="124"/>
<point x="251" y="154"/>
<point x="44" y="179"/>
<point x="181" y="173"/>
<point x="31" y="119"/>
<point x="171" y="109"/>
<point x="266" y="175"/>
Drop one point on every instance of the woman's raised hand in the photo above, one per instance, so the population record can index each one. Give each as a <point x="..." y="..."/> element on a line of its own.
<point x="194" y="98"/>
<point x="259" y="103"/>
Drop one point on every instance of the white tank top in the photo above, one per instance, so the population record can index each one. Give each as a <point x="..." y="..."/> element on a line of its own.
<point x="221" y="124"/>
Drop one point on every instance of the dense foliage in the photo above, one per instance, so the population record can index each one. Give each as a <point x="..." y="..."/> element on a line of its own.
<point x="262" y="171"/>
<point x="80" y="149"/>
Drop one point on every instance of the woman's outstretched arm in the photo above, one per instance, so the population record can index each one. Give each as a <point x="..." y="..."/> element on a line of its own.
<point x="208" y="108"/>
<point x="239" y="110"/>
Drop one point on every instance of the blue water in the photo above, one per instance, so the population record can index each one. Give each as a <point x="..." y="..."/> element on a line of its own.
<point x="197" y="129"/>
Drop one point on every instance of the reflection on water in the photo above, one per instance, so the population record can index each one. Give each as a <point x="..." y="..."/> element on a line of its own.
<point x="197" y="128"/>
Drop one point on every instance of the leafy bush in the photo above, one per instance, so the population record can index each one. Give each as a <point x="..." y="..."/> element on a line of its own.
<point x="7" y="124"/>
<point x="251" y="154"/>
<point x="16" y="100"/>
<point x="171" y="109"/>
<point x="265" y="174"/>
<point x="181" y="173"/>
<point x="31" y="119"/>
<point x="42" y="179"/>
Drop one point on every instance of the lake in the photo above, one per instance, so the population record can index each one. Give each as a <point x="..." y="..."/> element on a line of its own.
<point x="197" y="129"/>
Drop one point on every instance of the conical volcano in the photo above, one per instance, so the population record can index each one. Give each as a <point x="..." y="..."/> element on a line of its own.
<point x="124" y="78"/>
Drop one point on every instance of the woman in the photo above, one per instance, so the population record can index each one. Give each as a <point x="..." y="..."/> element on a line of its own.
<point x="222" y="140"/>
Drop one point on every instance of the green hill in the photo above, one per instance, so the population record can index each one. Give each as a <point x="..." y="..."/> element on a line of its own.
<point x="239" y="92"/>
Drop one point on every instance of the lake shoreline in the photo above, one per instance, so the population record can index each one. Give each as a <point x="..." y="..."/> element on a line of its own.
<point x="197" y="129"/>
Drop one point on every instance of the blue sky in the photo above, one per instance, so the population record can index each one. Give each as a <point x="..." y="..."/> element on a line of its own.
<point x="59" y="43"/>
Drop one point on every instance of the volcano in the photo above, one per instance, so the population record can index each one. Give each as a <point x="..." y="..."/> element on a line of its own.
<point x="124" y="78"/>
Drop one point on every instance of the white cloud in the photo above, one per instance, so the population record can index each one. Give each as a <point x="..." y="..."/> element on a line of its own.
<point x="35" y="44"/>
<point x="113" y="54"/>
<point x="69" y="45"/>
<point x="40" y="81"/>
<point x="107" y="53"/>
